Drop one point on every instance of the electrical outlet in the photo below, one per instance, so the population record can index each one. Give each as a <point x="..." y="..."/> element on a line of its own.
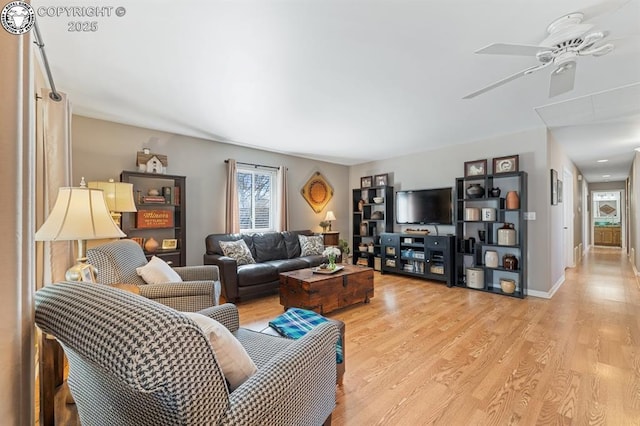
<point x="529" y="215"/>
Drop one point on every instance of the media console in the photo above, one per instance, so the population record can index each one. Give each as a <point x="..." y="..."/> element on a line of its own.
<point x="425" y="256"/>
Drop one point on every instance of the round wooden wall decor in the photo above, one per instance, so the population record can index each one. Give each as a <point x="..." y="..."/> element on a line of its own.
<point x="317" y="192"/>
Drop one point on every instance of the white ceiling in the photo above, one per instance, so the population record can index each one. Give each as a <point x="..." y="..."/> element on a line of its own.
<point x="345" y="81"/>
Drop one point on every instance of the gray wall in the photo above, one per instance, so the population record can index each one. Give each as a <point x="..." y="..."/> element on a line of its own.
<point x="102" y="149"/>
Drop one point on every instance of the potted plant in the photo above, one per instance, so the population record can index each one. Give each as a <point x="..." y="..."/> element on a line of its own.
<point x="324" y="225"/>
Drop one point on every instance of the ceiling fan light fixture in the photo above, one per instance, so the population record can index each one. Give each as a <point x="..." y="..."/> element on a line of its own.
<point x="545" y="56"/>
<point x="564" y="67"/>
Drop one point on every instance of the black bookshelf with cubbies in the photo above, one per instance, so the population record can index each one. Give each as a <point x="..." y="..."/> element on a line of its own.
<point x="478" y="222"/>
<point x="165" y="195"/>
<point x="372" y="214"/>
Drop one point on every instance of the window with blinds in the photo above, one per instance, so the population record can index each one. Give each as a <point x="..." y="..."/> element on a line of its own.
<point x="256" y="199"/>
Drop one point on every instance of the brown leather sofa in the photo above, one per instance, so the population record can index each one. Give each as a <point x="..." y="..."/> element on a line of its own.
<point x="274" y="252"/>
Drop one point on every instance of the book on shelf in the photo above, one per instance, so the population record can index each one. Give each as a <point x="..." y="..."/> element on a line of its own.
<point x="153" y="199"/>
<point x="176" y="195"/>
<point x="167" y="193"/>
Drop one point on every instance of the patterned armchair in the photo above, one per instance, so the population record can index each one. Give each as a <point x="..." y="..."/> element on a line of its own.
<point x="117" y="261"/>
<point x="136" y="362"/>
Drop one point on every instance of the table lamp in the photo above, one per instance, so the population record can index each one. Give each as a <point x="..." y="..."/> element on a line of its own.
<point x="329" y="217"/>
<point x="119" y="197"/>
<point x="80" y="214"/>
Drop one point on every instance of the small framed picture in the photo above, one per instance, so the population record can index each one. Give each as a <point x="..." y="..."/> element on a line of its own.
<point x="86" y="274"/>
<point x="505" y="164"/>
<point x="475" y="168"/>
<point x="381" y="180"/>
<point x="366" y="182"/>
<point x="169" y="244"/>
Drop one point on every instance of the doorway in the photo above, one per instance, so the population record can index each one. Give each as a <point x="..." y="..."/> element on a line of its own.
<point x="607" y="218"/>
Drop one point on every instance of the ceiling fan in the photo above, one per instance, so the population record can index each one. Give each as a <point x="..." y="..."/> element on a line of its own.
<point x="568" y="38"/>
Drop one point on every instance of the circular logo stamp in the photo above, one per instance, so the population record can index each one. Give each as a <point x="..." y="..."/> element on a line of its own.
<point x="17" y="17"/>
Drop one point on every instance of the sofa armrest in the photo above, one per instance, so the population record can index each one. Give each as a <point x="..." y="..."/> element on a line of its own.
<point x="198" y="273"/>
<point x="226" y="314"/>
<point x="228" y="269"/>
<point x="303" y="374"/>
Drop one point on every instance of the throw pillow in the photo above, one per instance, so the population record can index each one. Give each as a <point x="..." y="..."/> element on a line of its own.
<point x="237" y="250"/>
<point x="232" y="357"/>
<point x="157" y="271"/>
<point x="311" y="245"/>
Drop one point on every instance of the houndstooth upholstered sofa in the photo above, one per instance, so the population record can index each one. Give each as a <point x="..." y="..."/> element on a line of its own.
<point x="117" y="262"/>
<point x="133" y="361"/>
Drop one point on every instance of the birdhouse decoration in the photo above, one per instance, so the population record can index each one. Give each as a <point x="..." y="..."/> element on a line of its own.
<point x="149" y="162"/>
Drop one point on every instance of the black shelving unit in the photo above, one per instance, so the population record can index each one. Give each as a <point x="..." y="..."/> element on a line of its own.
<point x="370" y="219"/>
<point x="472" y="255"/>
<point x="174" y="203"/>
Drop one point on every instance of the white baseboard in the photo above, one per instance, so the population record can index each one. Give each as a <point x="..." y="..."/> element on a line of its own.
<point x="547" y="294"/>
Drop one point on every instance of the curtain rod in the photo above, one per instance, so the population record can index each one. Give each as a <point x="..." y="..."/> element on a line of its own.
<point x="38" y="42"/>
<point x="255" y="165"/>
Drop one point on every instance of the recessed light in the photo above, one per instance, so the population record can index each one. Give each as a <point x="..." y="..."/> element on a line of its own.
<point x="606" y="176"/>
<point x="602" y="161"/>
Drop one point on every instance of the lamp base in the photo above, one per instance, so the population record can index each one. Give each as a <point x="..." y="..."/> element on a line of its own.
<point x="81" y="271"/>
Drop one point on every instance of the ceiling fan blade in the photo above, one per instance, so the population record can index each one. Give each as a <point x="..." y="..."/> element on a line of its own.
<point x="503" y="81"/>
<point x="562" y="79"/>
<point x="510" y="49"/>
<point x="601" y="9"/>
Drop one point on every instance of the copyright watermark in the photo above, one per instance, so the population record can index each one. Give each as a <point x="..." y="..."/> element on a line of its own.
<point x="18" y="17"/>
<point x="80" y="11"/>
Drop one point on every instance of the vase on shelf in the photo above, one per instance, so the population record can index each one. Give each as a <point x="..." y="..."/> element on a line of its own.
<point x="475" y="190"/>
<point x="151" y="245"/>
<point x="507" y="235"/>
<point x="494" y="192"/>
<point x="491" y="259"/>
<point x="513" y="201"/>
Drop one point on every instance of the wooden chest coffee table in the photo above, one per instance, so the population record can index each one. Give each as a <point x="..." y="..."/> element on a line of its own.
<point x="324" y="293"/>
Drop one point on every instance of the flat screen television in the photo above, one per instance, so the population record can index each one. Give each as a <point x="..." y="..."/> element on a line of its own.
<point x="425" y="207"/>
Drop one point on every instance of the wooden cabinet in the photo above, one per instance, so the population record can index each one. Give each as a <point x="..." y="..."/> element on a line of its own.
<point x="161" y="217"/>
<point x="424" y="256"/>
<point x="617" y="237"/>
<point x="478" y="221"/>
<point x="607" y="236"/>
<point x="370" y="220"/>
<point x="331" y="238"/>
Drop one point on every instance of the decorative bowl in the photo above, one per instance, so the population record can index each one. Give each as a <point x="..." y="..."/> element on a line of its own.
<point x="378" y="200"/>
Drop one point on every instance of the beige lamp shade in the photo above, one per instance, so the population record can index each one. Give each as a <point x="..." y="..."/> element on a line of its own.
<point x="119" y="195"/>
<point x="330" y="216"/>
<point x="79" y="214"/>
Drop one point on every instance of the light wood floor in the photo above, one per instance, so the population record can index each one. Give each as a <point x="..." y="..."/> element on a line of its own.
<point x="421" y="353"/>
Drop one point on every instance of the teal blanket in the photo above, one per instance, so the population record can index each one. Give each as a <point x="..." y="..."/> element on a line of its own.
<point x="296" y="322"/>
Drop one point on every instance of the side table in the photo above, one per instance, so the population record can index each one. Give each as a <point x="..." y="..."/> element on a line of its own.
<point x="331" y="238"/>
